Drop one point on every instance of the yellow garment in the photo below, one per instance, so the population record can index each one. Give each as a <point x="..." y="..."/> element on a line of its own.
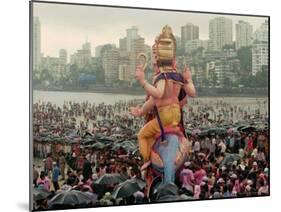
<point x="170" y="115"/>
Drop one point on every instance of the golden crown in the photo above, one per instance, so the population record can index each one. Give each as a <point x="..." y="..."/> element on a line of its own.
<point x="165" y="45"/>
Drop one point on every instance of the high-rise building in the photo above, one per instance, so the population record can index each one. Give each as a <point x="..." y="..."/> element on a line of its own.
<point x="63" y="56"/>
<point x="189" y="32"/>
<point x="261" y="34"/>
<point x="192" y="45"/>
<point x="55" y="66"/>
<point x="83" y="56"/>
<point x="260" y="49"/>
<point x="36" y="43"/>
<point x="110" y="64"/>
<point x="123" y="44"/>
<point x="137" y="46"/>
<point x="98" y="50"/>
<point x="244" y="33"/>
<point x="106" y="47"/>
<point x="210" y="66"/>
<point x="259" y="56"/>
<point x="132" y="34"/>
<point x="86" y="46"/>
<point x="223" y="71"/>
<point x="124" y="73"/>
<point x="220" y="32"/>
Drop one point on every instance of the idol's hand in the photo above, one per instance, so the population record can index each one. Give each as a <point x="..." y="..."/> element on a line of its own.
<point x="136" y="111"/>
<point x="139" y="75"/>
<point x="187" y="74"/>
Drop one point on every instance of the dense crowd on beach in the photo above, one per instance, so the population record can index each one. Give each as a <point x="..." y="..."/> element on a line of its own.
<point x="234" y="163"/>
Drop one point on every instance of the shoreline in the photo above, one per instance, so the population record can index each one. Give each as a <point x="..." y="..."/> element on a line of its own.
<point x="141" y="93"/>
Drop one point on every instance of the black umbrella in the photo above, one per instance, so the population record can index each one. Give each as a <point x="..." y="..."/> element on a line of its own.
<point x="46" y="139"/>
<point x="136" y="152"/>
<point x="37" y="138"/>
<point x="167" y="189"/>
<point x="40" y="194"/>
<point x="204" y="133"/>
<point x="170" y="198"/>
<point x="99" y="189"/>
<point x="221" y="131"/>
<point x="129" y="148"/>
<point x="229" y="159"/>
<point x="88" y="141"/>
<point x="212" y="131"/>
<point x="98" y="145"/>
<point x="248" y="129"/>
<point x="125" y="189"/>
<point x="140" y="182"/>
<point x="188" y="132"/>
<point x="70" y="198"/>
<point x="110" y="179"/>
<point x="116" y="147"/>
<point x="239" y="128"/>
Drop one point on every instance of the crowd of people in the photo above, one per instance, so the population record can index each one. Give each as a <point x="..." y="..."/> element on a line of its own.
<point x="63" y="162"/>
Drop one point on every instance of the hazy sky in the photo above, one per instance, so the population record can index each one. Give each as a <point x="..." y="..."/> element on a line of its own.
<point x="67" y="26"/>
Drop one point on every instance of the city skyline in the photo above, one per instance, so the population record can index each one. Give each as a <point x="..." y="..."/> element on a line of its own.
<point x="67" y="27"/>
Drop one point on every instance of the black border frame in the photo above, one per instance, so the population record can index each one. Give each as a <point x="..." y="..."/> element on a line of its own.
<point x="139" y="8"/>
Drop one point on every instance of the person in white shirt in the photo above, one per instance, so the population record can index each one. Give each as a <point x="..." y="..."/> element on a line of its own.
<point x="196" y="146"/>
<point x="222" y="146"/>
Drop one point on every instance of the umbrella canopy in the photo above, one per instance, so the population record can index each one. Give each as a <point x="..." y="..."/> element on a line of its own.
<point x="126" y="189"/>
<point x="167" y="189"/>
<point x="46" y="139"/>
<point x="140" y="182"/>
<point x="221" y="131"/>
<point x="129" y="146"/>
<point x="238" y="128"/>
<point x="40" y="194"/>
<point x="203" y="133"/>
<point x="98" y="145"/>
<point x="70" y="198"/>
<point x="188" y="132"/>
<point x="110" y="179"/>
<point x="170" y="198"/>
<point x="229" y="159"/>
<point x="136" y="152"/>
<point x="248" y="129"/>
<point x="214" y="131"/>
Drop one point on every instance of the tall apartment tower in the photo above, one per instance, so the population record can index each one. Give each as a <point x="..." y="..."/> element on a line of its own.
<point x="132" y="34"/>
<point x="259" y="56"/>
<point x="138" y="46"/>
<point x="110" y="64"/>
<point x="260" y="48"/>
<point x="220" y="32"/>
<point x="244" y="33"/>
<point x="189" y="32"/>
<point x="261" y="34"/>
<point x="36" y="43"/>
<point x="63" y="56"/>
